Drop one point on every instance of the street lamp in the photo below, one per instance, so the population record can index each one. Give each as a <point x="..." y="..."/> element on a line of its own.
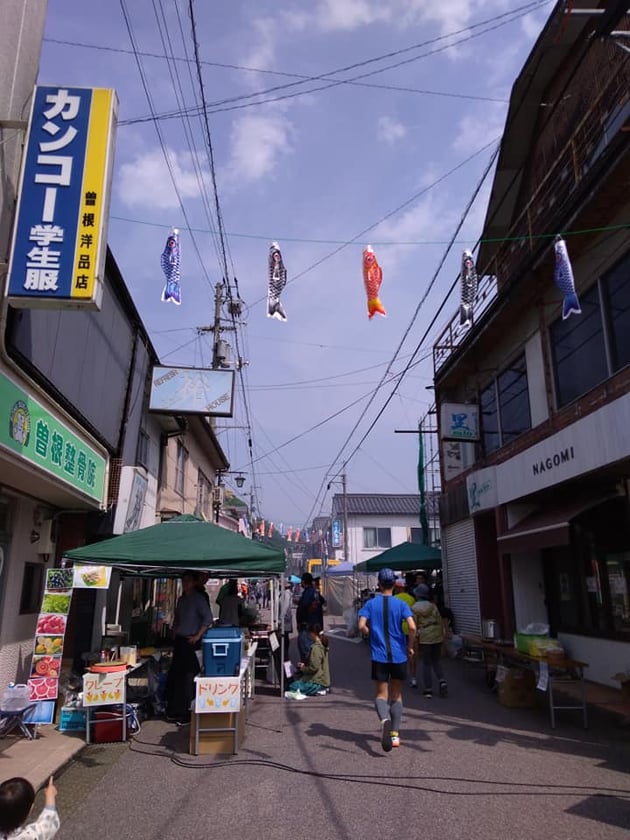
<point x="217" y="497"/>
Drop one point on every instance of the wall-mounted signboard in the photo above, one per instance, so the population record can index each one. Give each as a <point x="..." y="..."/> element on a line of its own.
<point x="60" y="235"/>
<point x="176" y="390"/>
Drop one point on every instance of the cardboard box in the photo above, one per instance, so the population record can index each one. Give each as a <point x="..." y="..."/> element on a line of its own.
<point x="518" y="689"/>
<point x="217" y="743"/>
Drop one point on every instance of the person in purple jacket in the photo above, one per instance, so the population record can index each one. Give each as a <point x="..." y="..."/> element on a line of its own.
<point x="381" y="620"/>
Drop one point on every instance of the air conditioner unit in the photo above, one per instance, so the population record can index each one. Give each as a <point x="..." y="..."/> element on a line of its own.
<point x="217" y="496"/>
<point x="47" y="537"/>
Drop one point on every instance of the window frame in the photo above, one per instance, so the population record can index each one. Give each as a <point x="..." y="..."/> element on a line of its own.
<point x="497" y="435"/>
<point x="377" y="536"/>
<point x="181" y="460"/>
<point x="31" y="600"/>
<point x="204" y="500"/>
<point x="142" y="448"/>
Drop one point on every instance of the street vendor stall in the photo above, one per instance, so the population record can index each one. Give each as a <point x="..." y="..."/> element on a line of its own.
<point x="405" y="557"/>
<point x="184" y="543"/>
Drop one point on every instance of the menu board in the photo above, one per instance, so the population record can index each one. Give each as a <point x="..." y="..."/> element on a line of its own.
<point x="49" y="635"/>
<point x="217" y="694"/>
<point x="51" y="624"/>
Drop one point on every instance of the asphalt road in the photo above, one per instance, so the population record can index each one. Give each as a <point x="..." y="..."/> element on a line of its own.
<point x="467" y="768"/>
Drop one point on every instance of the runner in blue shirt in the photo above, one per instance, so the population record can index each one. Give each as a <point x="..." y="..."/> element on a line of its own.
<point x="380" y="619"/>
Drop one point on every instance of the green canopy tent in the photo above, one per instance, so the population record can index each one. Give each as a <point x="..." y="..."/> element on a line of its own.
<point x="184" y="542"/>
<point x="404" y="557"/>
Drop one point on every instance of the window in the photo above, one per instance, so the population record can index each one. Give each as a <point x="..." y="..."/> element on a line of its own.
<point x="32" y="587"/>
<point x="180" y="468"/>
<point x="142" y="449"/>
<point x="504" y="404"/>
<point x="589" y="348"/>
<point x="578" y="349"/>
<point x="514" y="401"/>
<point x="377" y="538"/>
<point x="616" y="287"/>
<point x="204" y="489"/>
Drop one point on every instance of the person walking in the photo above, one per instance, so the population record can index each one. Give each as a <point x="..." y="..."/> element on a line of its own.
<point x="380" y="619"/>
<point x="401" y="591"/>
<point x="430" y="635"/>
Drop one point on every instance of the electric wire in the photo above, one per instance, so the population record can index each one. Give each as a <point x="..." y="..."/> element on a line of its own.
<point x="227" y="104"/>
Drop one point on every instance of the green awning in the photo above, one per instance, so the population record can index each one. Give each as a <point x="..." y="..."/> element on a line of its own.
<point x="404" y="558"/>
<point x="184" y="542"/>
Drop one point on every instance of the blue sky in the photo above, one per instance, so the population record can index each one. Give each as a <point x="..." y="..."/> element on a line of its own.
<point x="311" y="169"/>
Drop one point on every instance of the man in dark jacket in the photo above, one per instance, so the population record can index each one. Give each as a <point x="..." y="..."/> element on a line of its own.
<point x="310" y="610"/>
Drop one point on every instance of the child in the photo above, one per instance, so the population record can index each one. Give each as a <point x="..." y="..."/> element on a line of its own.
<point x="16" y="800"/>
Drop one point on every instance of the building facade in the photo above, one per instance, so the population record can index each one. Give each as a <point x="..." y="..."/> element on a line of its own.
<point x="378" y="521"/>
<point x="535" y="508"/>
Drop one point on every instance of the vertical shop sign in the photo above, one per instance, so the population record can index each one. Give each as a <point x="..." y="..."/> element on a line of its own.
<point x="60" y="235"/>
<point x="49" y="635"/>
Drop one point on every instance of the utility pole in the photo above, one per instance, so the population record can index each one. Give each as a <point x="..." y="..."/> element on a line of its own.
<point x="345" y="517"/>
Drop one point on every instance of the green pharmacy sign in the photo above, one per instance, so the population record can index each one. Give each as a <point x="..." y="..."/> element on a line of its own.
<point x="32" y="432"/>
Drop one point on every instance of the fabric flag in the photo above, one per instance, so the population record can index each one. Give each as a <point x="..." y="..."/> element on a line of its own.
<point x="289" y="533"/>
<point x="270" y="532"/>
<point x="424" y="523"/>
<point x="297" y="535"/>
<point x="170" y="267"/>
<point x="261" y="528"/>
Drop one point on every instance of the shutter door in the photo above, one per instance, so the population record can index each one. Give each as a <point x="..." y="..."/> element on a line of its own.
<point x="460" y="563"/>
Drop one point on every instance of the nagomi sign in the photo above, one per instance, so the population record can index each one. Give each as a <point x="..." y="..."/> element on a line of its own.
<point x="28" y="430"/>
<point x="60" y="235"/>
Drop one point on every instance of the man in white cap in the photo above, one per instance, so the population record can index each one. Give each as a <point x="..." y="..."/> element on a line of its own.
<point x="381" y="620"/>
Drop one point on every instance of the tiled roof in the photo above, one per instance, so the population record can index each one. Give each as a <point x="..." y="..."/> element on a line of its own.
<point x="397" y="504"/>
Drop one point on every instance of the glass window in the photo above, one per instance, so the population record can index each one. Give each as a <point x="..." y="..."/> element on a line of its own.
<point x="204" y="488"/>
<point x="142" y="449"/>
<point x="579" y="355"/>
<point x="490" y="419"/>
<point x="377" y="538"/>
<point x="618" y="573"/>
<point x="514" y="401"/>
<point x="415" y="535"/>
<point x="616" y="287"/>
<point x="32" y="587"/>
<point x="180" y="468"/>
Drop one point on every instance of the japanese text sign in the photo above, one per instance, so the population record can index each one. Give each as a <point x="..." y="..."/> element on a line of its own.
<point x="217" y="694"/>
<point x="60" y="235"/>
<point x="104" y="689"/>
<point x="28" y="430"/>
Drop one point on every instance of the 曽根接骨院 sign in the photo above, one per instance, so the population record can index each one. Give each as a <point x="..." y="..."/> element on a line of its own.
<point x="60" y="234"/>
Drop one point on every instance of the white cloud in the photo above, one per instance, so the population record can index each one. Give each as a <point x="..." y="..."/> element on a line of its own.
<point x="390" y="130"/>
<point x="475" y="129"/>
<point x="258" y="141"/>
<point x="145" y="181"/>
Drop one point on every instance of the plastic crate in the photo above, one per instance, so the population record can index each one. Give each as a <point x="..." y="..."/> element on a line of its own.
<point x="222" y="651"/>
<point x="72" y="719"/>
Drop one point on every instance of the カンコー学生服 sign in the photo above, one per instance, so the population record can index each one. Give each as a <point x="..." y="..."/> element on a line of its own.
<point x="60" y="235"/>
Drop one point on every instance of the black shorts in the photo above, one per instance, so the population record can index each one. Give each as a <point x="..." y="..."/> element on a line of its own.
<point x="385" y="671"/>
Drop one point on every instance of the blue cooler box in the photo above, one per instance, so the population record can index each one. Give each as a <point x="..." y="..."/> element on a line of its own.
<point x="222" y="651"/>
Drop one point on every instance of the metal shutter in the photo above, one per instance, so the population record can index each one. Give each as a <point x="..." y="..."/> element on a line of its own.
<point x="460" y="573"/>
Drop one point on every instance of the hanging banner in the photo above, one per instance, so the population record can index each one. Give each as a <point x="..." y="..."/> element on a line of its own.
<point x="459" y="421"/>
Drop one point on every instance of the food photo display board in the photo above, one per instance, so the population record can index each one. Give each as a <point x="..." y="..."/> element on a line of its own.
<point x="50" y="632"/>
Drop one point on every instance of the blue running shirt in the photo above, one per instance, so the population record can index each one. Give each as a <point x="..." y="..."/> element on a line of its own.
<point x="387" y="641"/>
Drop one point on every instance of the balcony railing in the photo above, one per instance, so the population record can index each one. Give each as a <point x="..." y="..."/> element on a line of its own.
<point x="549" y="204"/>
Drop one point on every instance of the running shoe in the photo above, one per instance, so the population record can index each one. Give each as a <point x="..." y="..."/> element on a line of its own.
<point x="443" y="688"/>
<point x="413" y="682"/>
<point x="428" y="693"/>
<point x="395" y="740"/>
<point x="386" y="737"/>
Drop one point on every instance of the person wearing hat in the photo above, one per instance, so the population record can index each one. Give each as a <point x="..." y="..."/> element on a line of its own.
<point x="400" y="591"/>
<point x="381" y="620"/>
<point x="430" y="634"/>
<point x="310" y="610"/>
